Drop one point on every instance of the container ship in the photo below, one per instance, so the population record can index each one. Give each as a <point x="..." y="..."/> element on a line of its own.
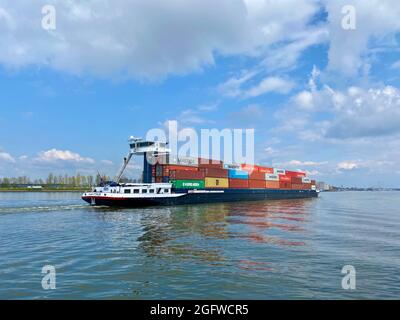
<point x="171" y="181"/>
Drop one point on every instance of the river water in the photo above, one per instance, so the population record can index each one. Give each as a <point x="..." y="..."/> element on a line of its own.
<point x="291" y="249"/>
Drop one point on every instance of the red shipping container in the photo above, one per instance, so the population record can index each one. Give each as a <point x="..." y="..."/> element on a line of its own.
<point x="266" y="170"/>
<point x="296" y="180"/>
<point x="285" y="185"/>
<point x="249" y="167"/>
<point x="283" y="178"/>
<point x="167" y="168"/>
<point x="255" y="175"/>
<point x="257" y="184"/>
<point x="272" y="184"/>
<point x="238" y="183"/>
<point x="214" y="172"/>
<point x="295" y="174"/>
<point x="186" y="175"/>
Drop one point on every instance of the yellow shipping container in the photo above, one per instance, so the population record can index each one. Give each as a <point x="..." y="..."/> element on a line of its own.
<point x="217" y="182"/>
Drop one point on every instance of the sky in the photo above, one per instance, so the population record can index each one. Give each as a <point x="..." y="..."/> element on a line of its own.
<point x="318" y="82"/>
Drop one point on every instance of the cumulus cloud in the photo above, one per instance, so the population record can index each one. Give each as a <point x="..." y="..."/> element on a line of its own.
<point x="54" y="155"/>
<point x="377" y="22"/>
<point x="366" y="113"/>
<point x="146" y="39"/>
<point x="355" y="112"/>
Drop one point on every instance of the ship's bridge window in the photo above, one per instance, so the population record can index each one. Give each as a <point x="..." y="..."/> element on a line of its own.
<point x="135" y="190"/>
<point x="144" y="191"/>
<point x="151" y="190"/>
<point x="166" y="190"/>
<point x="127" y="191"/>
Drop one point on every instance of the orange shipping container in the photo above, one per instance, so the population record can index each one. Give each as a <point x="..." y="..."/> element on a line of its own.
<point x="272" y="184"/>
<point x="238" y="183"/>
<point x="215" y="172"/>
<point x="255" y="175"/>
<point x="186" y="175"/>
<point x="167" y="168"/>
<point x="285" y="185"/>
<point x="256" y="184"/>
<point x="296" y="180"/>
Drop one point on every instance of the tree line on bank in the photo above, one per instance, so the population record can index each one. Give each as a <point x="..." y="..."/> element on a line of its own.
<point x="65" y="180"/>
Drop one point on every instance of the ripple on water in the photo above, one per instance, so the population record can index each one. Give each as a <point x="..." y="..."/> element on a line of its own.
<point x="260" y="250"/>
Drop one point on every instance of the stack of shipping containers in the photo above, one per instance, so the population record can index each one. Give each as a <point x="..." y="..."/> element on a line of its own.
<point x="203" y="173"/>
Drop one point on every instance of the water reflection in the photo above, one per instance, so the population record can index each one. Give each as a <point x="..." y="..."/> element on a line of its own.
<point x="199" y="232"/>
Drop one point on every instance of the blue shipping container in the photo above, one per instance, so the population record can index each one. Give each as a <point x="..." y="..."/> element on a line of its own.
<point x="237" y="174"/>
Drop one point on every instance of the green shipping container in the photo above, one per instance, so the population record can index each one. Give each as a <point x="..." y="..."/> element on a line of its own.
<point x="188" y="184"/>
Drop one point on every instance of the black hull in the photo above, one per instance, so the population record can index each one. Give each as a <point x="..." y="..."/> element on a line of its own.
<point x="229" y="195"/>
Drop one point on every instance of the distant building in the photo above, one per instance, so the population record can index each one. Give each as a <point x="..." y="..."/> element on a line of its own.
<point x="323" y="186"/>
<point x="35" y="187"/>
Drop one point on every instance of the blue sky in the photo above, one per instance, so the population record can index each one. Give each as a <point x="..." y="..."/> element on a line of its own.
<point x="320" y="98"/>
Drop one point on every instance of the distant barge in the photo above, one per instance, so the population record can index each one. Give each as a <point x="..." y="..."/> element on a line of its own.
<point x="195" y="180"/>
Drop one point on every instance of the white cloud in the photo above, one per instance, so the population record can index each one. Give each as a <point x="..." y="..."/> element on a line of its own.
<point x="306" y="163"/>
<point x="377" y="21"/>
<point x="304" y="100"/>
<point x="234" y="86"/>
<point x="196" y="115"/>
<point x="54" y="155"/>
<point x="107" y="162"/>
<point x="147" y="39"/>
<point x="4" y="156"/>
<point x="355" y="112"/>
<point x="365" y="113"/>
<point x="347" y="165"/>
<point x="270" y="84"/>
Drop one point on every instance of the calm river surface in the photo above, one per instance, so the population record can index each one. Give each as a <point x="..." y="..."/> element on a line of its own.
<point x="255" y="250"/>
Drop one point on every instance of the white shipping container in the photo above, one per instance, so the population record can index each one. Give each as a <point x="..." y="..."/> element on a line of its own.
<point x="271" y="177"/>
<point x="279" y="171"/>
<point x="306" y="180"/>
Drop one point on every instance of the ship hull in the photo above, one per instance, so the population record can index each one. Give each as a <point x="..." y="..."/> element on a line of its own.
<point x="208" y="196"/>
